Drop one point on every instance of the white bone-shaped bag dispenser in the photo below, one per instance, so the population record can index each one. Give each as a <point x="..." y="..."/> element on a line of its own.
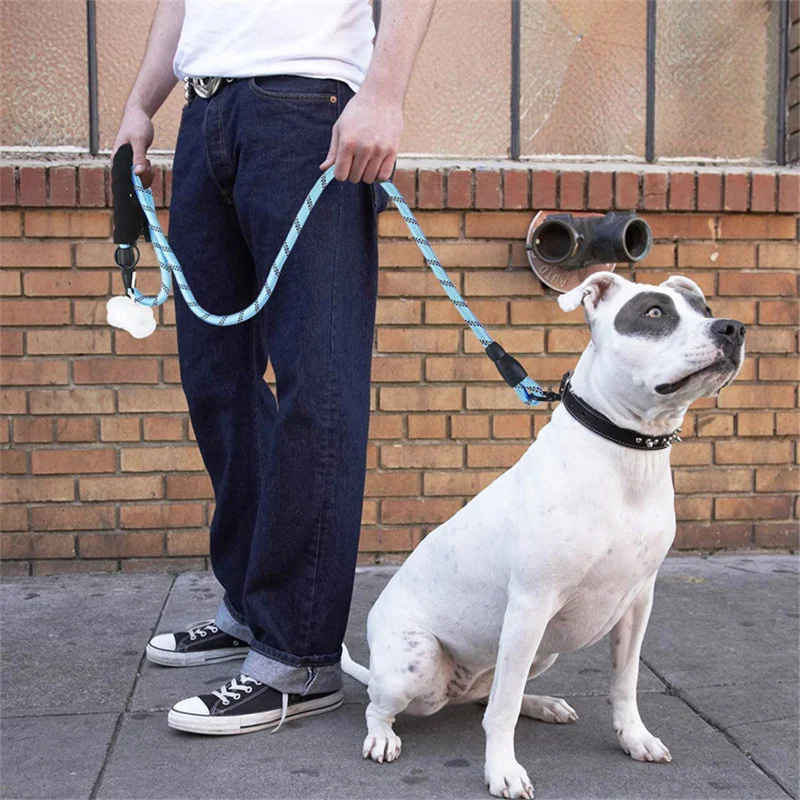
<point x="138" y="320"/>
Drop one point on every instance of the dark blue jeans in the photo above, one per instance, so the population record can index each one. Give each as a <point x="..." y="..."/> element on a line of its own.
<point x="287" y="470"/>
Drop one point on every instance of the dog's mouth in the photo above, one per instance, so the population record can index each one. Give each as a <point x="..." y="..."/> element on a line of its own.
<point x="722" y="365"/>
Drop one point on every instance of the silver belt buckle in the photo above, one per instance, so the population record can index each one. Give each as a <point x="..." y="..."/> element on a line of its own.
<point x="205" y="87"/>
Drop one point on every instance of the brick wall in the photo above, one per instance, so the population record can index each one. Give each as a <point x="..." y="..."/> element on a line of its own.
<point x="100" y="470"/>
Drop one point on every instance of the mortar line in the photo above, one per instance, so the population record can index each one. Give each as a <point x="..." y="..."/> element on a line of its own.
<point x="675" y="691"/>
<point x="112" y="743"/>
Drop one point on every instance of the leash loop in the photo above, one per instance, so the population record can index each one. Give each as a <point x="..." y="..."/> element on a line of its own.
<point x="528" y="391"/>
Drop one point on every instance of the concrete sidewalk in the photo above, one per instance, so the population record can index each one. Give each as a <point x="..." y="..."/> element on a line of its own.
<point x="83" y="716"/>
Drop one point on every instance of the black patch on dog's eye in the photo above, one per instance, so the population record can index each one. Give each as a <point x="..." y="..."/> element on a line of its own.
<point x="632" y="319"/>
<point x="695" y="301"/>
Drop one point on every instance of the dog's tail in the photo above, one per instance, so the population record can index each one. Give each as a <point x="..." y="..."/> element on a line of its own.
<point x="349" y="667"/>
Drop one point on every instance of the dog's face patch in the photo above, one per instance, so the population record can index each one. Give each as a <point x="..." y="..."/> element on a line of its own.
<point x="649" y="314"/>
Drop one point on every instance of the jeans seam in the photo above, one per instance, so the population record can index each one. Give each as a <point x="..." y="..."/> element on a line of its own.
<point x="327" y="423"/>
<point x="209" y="166"/>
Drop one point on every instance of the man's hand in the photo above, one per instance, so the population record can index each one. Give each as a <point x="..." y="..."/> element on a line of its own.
<point x="365" y="139"/>
<point x="137" y="129"/>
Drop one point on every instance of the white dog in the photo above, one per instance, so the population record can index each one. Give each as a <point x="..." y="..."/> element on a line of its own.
<point x="564" y="547"/>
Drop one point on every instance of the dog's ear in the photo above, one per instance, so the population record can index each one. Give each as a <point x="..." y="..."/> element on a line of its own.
<point x="591" y="292"/>
<point x="682" y="284"/>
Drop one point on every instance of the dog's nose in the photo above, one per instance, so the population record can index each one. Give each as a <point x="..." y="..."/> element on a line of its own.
<point x="728" y="331"/>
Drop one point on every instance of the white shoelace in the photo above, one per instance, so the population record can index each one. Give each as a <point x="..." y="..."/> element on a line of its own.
<point x="201" y="629"/>
<point x="232" y="691"/>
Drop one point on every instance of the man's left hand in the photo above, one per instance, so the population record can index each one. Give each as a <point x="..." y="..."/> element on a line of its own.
<point x="365" y="139"/>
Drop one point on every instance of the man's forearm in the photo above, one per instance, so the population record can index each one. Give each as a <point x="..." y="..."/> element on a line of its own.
<point x="156" y="79"/>
<point x="402" y="28"/>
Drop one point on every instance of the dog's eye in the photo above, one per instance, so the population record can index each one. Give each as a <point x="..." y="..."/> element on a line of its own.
<point x="654" y="312"/>
<point x="709" y="312"/>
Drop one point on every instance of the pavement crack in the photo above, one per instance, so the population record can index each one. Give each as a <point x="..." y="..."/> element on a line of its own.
<point x="112" y="743"/>
<point x="676" y="691"/>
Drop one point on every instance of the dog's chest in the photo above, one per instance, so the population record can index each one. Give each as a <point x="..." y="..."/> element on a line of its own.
<point x="596" y="596"/>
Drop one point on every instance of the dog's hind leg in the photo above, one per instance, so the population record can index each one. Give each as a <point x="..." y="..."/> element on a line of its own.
<point x="542" y="707"/>
<point x="408" y="671"/>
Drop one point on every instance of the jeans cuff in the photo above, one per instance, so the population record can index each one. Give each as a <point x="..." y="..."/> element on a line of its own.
<point x="293" y="680"/>
<point x="232" y="625"/>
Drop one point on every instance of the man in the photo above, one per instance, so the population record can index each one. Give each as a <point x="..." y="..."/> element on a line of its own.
<point x="301" y="91"/>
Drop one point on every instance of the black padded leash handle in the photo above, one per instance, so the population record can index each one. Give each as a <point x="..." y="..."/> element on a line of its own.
<point x="129" y="220"/>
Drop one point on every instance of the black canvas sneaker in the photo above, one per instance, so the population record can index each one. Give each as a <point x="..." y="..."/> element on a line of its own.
<point x="201" y="643"/>
<point x="244" y="705"/>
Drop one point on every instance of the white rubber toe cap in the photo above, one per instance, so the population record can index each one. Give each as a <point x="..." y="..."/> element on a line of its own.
<point x="164" y="641"/>
<point x="192" y="705"/>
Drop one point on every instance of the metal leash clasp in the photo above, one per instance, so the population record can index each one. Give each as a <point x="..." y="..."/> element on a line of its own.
<point x="126" y="257"/>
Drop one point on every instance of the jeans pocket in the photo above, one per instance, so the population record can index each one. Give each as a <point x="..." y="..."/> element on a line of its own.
<point x="293" y="88"/>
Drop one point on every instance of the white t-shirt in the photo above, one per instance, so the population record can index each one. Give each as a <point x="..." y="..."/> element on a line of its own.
<point x="244" y="38"/>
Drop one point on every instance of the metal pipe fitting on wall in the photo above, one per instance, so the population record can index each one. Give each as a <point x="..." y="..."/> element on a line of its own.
<point x="567" y="241"/>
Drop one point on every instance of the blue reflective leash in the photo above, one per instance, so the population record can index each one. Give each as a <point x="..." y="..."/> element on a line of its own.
<point x="509" y="368"/>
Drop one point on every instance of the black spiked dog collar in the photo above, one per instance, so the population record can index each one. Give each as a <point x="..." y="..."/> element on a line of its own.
<point x="601" y="425"/>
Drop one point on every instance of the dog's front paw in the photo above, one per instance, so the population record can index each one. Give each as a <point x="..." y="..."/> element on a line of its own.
<point x="508" y="779"/>
<point x="641" y="745"/>
<point x="382" y="746"/>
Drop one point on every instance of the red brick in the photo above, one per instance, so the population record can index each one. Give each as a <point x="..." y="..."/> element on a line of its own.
<point x="626" y="190"/>
<point x="713" y="536"/>
<point x="30" y="254"/>
<point x="487" y="188"/>
<point x="62" y="186"/>
<point x="28" y="313"/>
<point x="436" y="455"/>
<point x="764" y="189"/>
<point x="32" y="186"/>
<point x="789" y="193"/>
<point x="10" y="225"/>
<point x="68" y="462"/>
<point x="736" y="192"/>
<point x="681" y="191"/>
<point x="469" y="426"/>
<point x="431" y="189"/>
<point x="601" y="191"/>
<point x="43" y="567"/>
<point x="68" y="224"/>
<point x="753" y="452"/>
<point x="494" y="455"/>
<point x="161" y="459"/>
<point x="717" y="256"/>
<point x="497" y="225"/>
<point x="785" y="535"/>
<point x="187" y="543"/>
<point x="57" y="545"/>
<point x="120" y="429"/>
<point x="543" y="189"/>
<point x="66" y="284"/>
<point x="31" y="429"/>
<point x="120" y="545"/>
<point x="32" y="490"/>
<point x="754" y="507"/>
<point x="709" y="191"/>
<point x="420" y="398"/>
<point x="173" y="515"/>
<point x="654" y="190"/>
<point x="459" y="188"/>
<point x="71" y="401"/>
<point x="681" y="226"/>
<point x="92" y="186"/>
<point x="758" y="283"/>
<point x="163" y="428"/>
<point x="189" y="487"/>
<point x="515" y="188"/>
<point x="8" y="188"/>
<point x="13" y="518"/>
<point x="415" y="510"/>
<point x="68" y="342"/>
<point x="757" y="226"/>
<point x="406" y="182"/>
<point x="779" y="312"/>
<point x="76" y="429"/>
<point x="12" y="401"/>
<point x="395" y="483"/>
<point x="573" y="185"/>
<point x="13" y="462"/>
<point x="34" y="372"/>
<point x="511" y="426"/>
<point x="389" y="540"/>
<point x="73" y="518"/>
<point x="115" y="370"/>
